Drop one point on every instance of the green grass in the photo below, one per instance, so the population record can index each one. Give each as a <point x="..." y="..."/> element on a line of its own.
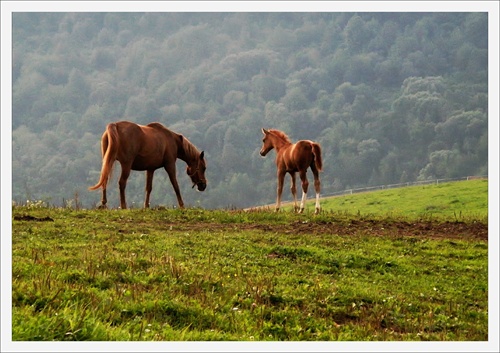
<point x="184" y="275"/>
<point x="451" y="201"/>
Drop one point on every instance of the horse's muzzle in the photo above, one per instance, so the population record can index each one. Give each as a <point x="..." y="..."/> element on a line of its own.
<point x="201" y="186"/>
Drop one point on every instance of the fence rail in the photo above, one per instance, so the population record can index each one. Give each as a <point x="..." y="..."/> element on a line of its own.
<point x="389" y="186"/>
<point x="392" y="186"/>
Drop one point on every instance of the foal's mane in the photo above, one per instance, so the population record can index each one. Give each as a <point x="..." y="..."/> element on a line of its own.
<point x="281" y="135"/>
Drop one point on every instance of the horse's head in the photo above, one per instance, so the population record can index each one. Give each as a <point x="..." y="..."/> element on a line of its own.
<point x="196" y="172"/>
<point x="267" y="144"/>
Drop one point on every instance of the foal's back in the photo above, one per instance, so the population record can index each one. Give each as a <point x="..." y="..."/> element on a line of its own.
<point x="296" y="157"/>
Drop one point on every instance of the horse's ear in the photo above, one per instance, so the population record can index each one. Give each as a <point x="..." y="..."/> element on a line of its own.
<point x="202" y="154"/>
<point x="264" y="131"/>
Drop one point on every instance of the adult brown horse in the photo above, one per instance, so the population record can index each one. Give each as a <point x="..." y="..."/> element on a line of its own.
<point x="150" y="147"/>
<point x="292" y="158"/>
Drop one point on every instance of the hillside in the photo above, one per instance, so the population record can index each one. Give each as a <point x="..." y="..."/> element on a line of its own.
<point x="459" y="200"/>
<point x="391" y="97"/>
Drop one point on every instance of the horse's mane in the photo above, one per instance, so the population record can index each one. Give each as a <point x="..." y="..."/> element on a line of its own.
<point x="280" y="134"/>
<point x="189" y="149"/>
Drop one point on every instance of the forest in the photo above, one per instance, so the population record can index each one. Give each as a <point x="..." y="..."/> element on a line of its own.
<point x="391" y="97"/>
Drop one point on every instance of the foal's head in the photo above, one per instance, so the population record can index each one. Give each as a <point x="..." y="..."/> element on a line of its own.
<point x="273" y="139"/>
<point x="196" y="172"/>
<point x="267" y="143"/>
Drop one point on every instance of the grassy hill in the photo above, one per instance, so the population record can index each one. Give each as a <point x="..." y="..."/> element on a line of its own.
<point x="452" y="200"/>
<point x="193" y="274"/>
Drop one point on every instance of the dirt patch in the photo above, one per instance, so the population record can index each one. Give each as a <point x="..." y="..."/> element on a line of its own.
<point x="445" y="230"/>
<point x="32" y="218"/>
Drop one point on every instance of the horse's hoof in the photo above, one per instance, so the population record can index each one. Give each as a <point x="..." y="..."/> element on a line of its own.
<point x="317" y="211"/>
<point x="102" y="207"/>
<point x="301" y="210"/>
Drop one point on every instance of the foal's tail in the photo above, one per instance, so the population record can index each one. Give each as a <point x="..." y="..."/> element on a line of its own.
<point x="316" y="150"/>
<point x="109" y="148"/>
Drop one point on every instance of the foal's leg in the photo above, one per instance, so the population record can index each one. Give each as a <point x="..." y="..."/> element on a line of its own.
<point x="281" y="180"/>
<point x="149" y="186"/>
<point x="171" y="174"/>
<point x="293" y="189"/>
<point x="317" y="186"/>
<point x="122" y="183"/>
<point x="305" y="185"/>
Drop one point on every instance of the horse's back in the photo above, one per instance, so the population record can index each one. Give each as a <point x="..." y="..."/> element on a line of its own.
<point x="130" y="127"/>
<point x="157" y="126"/>
<point x="131" y="134"/>
<point x="130" y="141"/>
<point x="125" y="124"/>
<point x="136" y="132"/>
<point x="144" y="147"/>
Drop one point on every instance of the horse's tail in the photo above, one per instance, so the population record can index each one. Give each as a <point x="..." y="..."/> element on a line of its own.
<point x="316" y="150"/>
<point x="109" y="148"/>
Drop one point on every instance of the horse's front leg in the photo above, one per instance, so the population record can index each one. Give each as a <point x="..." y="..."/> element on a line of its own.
<point x="149" y="186"/>
<point x="173" y="180"/>
<point x="305" y="185"/>
<point x="281" y="180"/>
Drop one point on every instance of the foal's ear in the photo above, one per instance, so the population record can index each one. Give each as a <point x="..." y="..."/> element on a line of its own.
<point x="202" y="154"/>
<point x="264" y="131"/>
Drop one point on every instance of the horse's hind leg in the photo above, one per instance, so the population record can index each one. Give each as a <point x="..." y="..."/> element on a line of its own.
<point x="305" y="185"/>
<point x="104" y="199"/>
<point x="122" y="183"/>
<point x="149" y="186"/>
<point x="293" y="189"/>
<point x="317" y="187"/>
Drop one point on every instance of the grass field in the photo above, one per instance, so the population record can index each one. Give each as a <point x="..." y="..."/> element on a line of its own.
<point x="445" y="201"/>
<point x="397" y="265"/>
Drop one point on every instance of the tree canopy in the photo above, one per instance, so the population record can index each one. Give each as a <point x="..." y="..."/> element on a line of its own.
<point x="390" y="97"/>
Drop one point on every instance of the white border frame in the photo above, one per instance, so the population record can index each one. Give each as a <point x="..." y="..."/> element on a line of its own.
<point x="8" y="7"/>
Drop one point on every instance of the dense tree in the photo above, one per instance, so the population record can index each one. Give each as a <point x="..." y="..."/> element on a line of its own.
<point x="392" y="97"/>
